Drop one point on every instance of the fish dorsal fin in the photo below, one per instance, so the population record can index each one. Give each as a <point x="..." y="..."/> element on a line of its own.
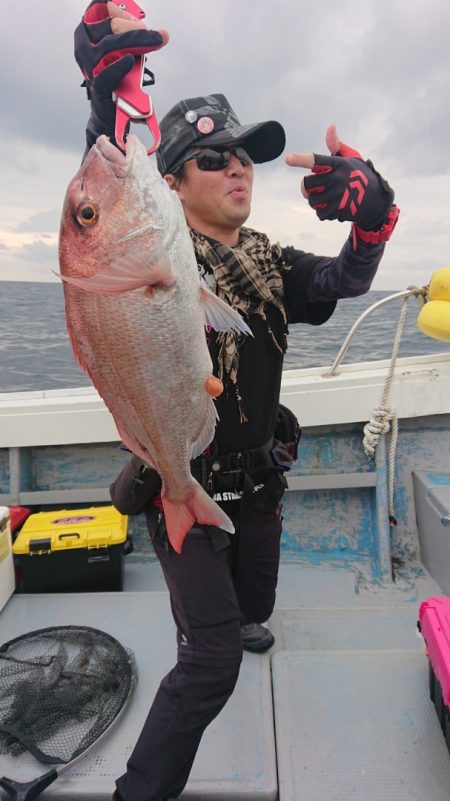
<point x="219" y="315"/>
<point x="127" y="273"/>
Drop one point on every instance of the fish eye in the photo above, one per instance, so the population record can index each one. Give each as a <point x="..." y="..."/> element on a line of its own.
<point x="123" y="6"/>
<point x="87" y="213"/>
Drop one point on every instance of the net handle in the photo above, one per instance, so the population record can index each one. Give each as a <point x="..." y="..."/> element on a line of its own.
<point x="27" y="791"/>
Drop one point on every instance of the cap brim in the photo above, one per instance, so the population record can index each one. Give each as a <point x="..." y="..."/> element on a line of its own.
<point x="263" y="141"/>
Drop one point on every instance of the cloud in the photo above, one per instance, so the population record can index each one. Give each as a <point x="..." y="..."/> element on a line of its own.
<point x="307" y="65"/>
<point x="42" y="221"/>
<point x="380" y="71"/>
<point x="16" y="269"/>
<point x="38" y="251"/>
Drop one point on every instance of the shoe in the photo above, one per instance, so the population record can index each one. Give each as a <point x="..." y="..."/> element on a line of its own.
<point x="256" y="638"/>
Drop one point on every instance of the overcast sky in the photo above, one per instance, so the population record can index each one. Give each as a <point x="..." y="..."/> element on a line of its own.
<point x="378" y="69"/>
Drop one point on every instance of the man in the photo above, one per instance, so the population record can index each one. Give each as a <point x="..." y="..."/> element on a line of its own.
<point x="223" y="589"/>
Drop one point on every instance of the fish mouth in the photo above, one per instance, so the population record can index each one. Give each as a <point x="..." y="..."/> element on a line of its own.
<point x="120" y="163"/>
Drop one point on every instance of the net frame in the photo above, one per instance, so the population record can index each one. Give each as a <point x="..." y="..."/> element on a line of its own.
<point x="77" y="678"/>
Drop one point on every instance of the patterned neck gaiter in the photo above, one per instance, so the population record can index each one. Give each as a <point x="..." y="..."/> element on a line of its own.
<point x="247" y="277"/>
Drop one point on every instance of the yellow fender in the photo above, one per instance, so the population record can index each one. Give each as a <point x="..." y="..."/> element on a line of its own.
<point x="439" y="288"/>
<point x="434" y="317"/>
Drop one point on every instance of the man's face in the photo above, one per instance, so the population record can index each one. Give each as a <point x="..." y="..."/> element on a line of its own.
<point x="216" y="203"/>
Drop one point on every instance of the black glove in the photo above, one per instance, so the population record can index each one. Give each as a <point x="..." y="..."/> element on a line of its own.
<point x="344" y="187"/>
<point x="104" y="59"/>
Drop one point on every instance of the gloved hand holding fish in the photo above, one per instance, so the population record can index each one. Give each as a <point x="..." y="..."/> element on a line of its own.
<point x="136" y="311"/>
<point x="110" y="46"/>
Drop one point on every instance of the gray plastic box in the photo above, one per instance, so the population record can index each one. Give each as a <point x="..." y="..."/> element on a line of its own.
<point x="432" y="502"/>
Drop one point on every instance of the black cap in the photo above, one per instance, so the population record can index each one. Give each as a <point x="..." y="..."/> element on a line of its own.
<point x="210" y="121"/>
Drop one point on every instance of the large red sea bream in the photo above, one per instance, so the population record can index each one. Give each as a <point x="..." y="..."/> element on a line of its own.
<point x="136" y="311"/>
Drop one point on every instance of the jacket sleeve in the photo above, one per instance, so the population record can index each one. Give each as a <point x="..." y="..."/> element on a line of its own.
<point x="313" y="284"/>
<point x="101" y="121"/>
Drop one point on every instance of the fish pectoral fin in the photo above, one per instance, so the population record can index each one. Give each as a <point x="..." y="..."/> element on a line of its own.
<point x="219" y="315"/>
<point x="134" y="445"/>
<point x="76" y="350"/>
<point x="197" y="507"/>
<point x="207" y="433"/>
<point x="127" y="273"/>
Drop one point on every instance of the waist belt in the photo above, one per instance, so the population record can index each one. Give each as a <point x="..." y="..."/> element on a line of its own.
<point x="245" y="460"/>
<point x="209" y="469"/>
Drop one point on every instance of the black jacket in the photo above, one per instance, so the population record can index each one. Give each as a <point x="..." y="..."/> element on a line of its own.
<point x="311" y="288"/>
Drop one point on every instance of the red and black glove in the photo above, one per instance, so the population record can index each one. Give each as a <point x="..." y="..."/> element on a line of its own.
<point x="104" y="59"/>
<point x="344" y="187"/>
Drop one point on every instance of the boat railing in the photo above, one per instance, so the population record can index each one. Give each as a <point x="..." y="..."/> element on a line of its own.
<point x="404" y="294"/>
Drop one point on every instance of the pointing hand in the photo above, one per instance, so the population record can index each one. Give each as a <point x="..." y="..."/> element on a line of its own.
<point x="343" y="186"/>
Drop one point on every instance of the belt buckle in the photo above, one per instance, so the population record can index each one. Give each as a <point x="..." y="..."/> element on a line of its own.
<point x="236" y="463"/>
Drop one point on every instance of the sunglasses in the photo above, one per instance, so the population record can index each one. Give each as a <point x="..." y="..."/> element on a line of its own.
<point x="214" y="160"/>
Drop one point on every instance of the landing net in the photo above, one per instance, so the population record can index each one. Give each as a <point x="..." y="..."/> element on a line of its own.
<point x="60" y="689"/>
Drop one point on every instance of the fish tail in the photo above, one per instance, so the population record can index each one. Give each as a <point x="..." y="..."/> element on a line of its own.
<point x="197" y="507"/>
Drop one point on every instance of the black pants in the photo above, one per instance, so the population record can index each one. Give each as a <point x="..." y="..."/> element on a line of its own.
<point x="212" y="589"/>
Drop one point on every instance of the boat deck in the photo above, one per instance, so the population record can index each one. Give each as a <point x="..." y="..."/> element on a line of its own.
<point x="339" y="709"/>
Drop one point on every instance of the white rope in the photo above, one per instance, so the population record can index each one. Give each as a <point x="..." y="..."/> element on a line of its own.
<point x="391" y="468"/>
<point x="379" y="424"/>
<point x="377" y="427"/>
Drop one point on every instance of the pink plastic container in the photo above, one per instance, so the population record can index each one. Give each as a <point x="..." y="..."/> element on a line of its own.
<point x="434" y="625"/>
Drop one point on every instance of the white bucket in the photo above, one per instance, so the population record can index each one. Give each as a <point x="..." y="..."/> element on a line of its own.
<point x="7" y="582"/>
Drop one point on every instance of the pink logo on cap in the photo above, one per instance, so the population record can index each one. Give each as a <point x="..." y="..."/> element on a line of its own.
<point x="205" y="125"/>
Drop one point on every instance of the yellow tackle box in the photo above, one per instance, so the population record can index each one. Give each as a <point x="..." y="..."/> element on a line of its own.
<point x="72" y="550"/>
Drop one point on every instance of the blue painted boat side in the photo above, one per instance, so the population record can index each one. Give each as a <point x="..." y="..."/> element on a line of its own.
<point x="323" y="523"/>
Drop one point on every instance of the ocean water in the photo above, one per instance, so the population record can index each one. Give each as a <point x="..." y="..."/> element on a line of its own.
<point x="35" y="353"/>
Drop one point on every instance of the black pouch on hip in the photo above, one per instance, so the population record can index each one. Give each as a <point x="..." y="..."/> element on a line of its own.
<point x="135" y="486"/>
<point x="286" y="438"/>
